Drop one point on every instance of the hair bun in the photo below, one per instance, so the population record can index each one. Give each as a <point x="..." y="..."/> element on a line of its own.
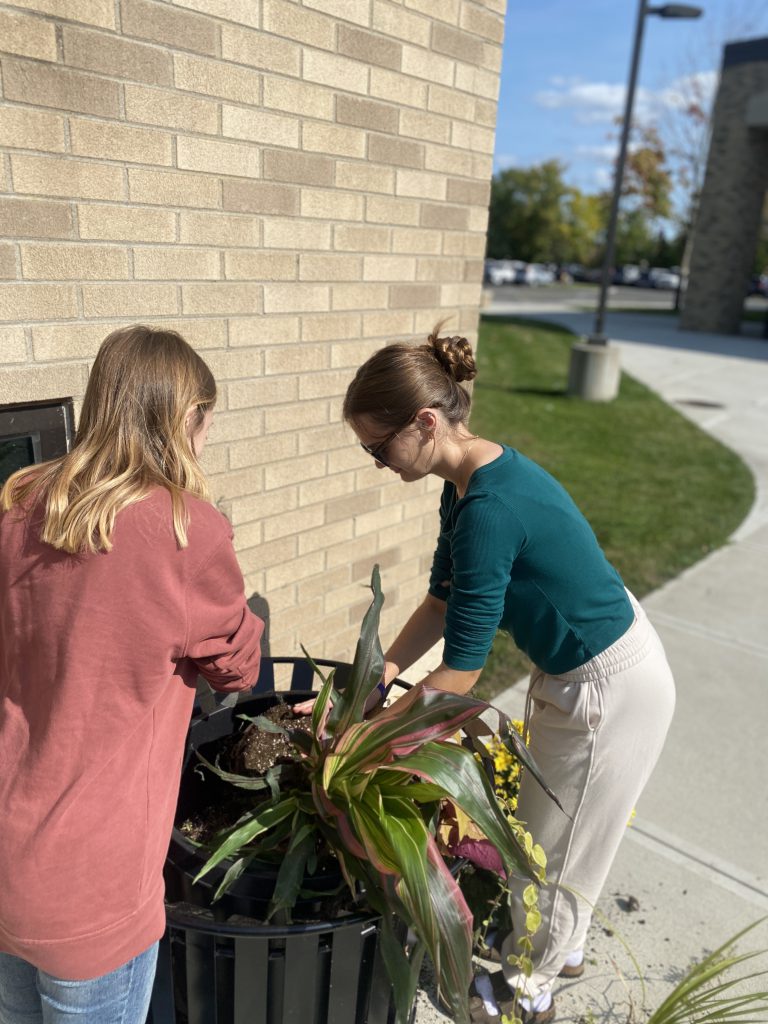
<point x="455" y="355"/>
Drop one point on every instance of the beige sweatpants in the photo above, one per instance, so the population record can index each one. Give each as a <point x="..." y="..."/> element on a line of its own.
<point x="596" y="733"/>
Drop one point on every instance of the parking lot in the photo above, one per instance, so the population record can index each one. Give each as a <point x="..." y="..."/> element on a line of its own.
<point x="620" y="297"/>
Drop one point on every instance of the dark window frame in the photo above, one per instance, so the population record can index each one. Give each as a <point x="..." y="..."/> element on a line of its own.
<point x="47" y="427"/>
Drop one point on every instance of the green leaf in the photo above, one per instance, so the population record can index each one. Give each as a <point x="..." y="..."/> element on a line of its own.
<point x="512" y="738"/>
<point x="530" y="896"/>
<point x="264" y="724"/>
<point x="369" y="829"/>
<point x="420" y="716"/>
<point x="421" y="792"/>
<point x="533" y="921"/>
<point x="277" y="836"/>
<point x="241" y="781"/>
<point x="427" y="897"/>
<point x="367" y="666"/>
<point x="403" y="974"/>
<point x="440" y="917"/>
<point x="316" y="668"/>
<point x="695" y="997"/>
<point x="231" y="875"/>
<point x="463" y="781"/>
<point x="322" y="706"/>
<point x="526" y="965"/>
<point x="293" y="868"/>
<point x="259" y="822"/>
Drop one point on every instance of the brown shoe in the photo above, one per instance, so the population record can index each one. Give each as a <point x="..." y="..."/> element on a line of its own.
<point x="505" y="1000"/>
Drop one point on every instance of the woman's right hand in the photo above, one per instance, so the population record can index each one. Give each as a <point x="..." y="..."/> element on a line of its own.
<point x="390" y="672"/>
<point x="304" y="707"/>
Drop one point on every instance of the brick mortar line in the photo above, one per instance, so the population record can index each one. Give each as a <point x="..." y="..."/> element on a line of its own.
<point x="259" y="101"/>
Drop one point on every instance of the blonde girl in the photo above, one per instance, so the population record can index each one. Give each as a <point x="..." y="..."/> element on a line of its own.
<point x="118" y="585"/>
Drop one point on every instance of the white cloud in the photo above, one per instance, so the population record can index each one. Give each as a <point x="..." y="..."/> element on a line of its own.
<point x="604" y="101"/>
<point x="699" y="88"/>
<point x="608" y="151"/>
<point x="593" y="101"/>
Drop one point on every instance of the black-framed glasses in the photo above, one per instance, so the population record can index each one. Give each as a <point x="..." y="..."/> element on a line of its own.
<point x="379" y="452"/>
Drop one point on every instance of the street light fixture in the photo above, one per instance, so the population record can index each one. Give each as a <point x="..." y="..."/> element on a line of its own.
<point x="594" y="370"/>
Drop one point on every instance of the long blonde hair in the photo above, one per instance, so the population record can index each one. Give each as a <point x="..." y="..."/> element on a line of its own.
<point x="132" y="436"/>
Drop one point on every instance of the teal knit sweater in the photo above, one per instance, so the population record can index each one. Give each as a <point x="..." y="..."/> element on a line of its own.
<point x="515" y="553"/>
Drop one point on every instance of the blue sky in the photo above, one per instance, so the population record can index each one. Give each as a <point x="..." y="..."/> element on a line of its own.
<point x="566" y="62"/>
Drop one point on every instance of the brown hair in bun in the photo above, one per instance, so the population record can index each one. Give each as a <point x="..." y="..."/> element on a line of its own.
<point x="454" y="354"/>
<point x="398" y="380"/>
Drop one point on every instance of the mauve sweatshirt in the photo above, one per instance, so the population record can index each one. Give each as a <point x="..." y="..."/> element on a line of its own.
<point x="99" y="655"/>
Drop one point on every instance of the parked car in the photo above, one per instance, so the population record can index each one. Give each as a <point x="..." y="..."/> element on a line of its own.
<point x="500" y="272"/>
<point x="584" y="274"/>
<point x="663" y="277"/>
<point x="534" y="274"/>
<point x="627" y="274"/>
<point x="659" y="277"/>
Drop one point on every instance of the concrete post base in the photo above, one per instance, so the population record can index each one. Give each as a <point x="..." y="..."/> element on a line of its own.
<point x="594" y="372"/>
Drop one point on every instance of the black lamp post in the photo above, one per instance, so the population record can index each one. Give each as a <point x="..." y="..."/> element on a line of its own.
<point x="581" y="380"/>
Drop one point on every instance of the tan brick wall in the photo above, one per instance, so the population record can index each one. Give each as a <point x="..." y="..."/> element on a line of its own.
<point x="289" y="184"/>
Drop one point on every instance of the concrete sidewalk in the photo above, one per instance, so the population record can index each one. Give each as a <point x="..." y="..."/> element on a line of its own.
<point x="695" y="859"/>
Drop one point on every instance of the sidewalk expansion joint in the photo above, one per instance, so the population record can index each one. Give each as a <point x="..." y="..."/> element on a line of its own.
<point x="714" y="869"/>
<point x="694" y="629"/>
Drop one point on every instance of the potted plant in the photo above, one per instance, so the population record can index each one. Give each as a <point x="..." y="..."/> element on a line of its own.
<point x="362" y="797"/>
<point x="481" y="876"/>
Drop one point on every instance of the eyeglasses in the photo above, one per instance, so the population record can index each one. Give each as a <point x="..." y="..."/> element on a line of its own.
<point x="379" y="452"/>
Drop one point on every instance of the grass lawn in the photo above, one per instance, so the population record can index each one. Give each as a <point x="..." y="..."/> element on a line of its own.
<point x="658" y="492"/>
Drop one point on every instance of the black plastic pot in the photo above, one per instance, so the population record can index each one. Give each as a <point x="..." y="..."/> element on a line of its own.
<point x="219" y="963"/>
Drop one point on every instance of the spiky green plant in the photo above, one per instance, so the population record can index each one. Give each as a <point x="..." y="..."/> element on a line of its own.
<point x="372" y="793"/>
<point x="705" y="996"/>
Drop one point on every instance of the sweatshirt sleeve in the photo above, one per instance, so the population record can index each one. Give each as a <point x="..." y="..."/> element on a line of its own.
<point x="486" y="540"/>
<point x="223" y="634"/>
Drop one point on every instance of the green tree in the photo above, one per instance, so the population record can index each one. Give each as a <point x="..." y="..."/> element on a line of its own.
<point x="636" y="238"/>
<point x="527" y="213"/>
<point x="585" y="222"/>
<point x="535" y="216"/>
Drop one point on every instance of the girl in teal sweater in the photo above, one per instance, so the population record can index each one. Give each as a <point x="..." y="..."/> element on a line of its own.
<point x="514" y="553"/>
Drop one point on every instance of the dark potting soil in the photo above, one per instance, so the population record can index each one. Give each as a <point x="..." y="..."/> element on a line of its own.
<point x="255" y="751"/>
<point x="252" y="752"/>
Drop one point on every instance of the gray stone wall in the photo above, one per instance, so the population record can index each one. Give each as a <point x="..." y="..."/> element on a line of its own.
<point x="730" y="211"/>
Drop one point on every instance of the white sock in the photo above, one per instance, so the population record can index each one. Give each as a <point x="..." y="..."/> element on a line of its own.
<point x="575" y="959"/>
<point x="485" y="991"/>
<point x="538" y="1004"/>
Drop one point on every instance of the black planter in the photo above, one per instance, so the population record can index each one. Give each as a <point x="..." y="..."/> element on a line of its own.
<point x="219" y="963"/>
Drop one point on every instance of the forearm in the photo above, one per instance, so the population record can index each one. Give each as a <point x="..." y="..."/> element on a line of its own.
<point x="452" y="679"/>
<point x="420" y="634"/>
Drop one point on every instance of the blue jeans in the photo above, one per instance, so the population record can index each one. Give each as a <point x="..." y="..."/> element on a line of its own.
<point x="30" y="996"/>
